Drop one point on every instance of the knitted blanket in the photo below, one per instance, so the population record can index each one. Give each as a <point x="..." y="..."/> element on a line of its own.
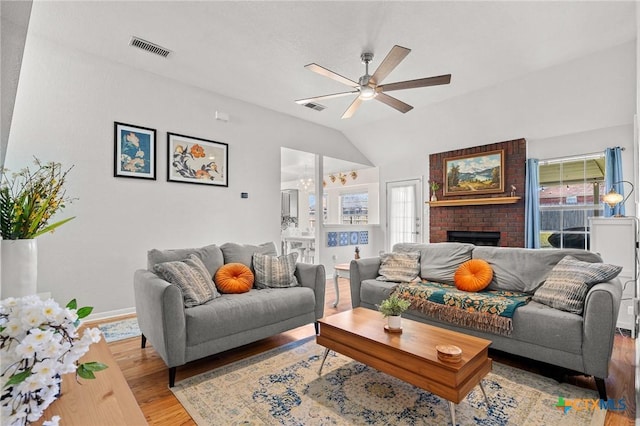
<point x="489" y="311"/>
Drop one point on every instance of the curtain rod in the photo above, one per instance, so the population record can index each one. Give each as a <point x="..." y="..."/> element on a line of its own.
<point x="575" y="157"/>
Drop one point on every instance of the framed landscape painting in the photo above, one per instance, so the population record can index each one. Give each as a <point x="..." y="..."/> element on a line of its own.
<point x="196" y="160"/>
<point x="474" y="174"/>
<point x="134" y="151"/>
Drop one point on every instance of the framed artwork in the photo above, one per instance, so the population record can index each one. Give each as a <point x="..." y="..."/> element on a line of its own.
<point x="196" y="160"/>
<point x="474" y="174"/>
<point x="134" y="151"/>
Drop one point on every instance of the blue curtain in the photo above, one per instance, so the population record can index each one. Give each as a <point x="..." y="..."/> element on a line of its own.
<point x="612" y="174"/>
<point x="532" y="205"/>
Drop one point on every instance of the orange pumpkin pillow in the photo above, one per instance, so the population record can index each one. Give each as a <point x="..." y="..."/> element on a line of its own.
<point x="473" y="275"/>
<point x="234" y="278"/>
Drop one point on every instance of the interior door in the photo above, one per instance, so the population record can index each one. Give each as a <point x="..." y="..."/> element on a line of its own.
<point x="404" y="200"/>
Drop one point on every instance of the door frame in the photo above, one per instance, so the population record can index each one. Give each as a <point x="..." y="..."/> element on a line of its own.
<point x="419" y="184"/>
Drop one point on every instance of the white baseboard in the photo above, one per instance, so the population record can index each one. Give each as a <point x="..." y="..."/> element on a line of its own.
<point x="111" y="314"/>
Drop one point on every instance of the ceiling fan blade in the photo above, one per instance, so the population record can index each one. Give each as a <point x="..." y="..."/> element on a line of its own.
<point x="411" y="84"/>
<point x="319" y="98"/>
<point x="332" y="75"/>
<point x="393" y="103"/>
<point x="389" y="63"/>
<point x="352" y="108"/>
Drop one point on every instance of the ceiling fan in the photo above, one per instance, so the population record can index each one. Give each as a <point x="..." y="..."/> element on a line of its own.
<point x="368" y="86"/>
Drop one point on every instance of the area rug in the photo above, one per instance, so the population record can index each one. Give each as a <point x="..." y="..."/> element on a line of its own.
<point x="282" y="386"/>
<point x="120" y="330"/>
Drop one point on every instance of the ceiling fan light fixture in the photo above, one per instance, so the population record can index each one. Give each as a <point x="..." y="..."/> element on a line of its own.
<point x="367" y="92"/>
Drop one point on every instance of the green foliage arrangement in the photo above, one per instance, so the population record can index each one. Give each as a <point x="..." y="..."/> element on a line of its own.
<point x="434" y="185"/>
<point x="393" y="306"/>
<point x="30" y="198"/>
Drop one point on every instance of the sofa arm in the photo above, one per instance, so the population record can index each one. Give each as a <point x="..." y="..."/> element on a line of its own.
<point x="161" y="316"/>
<point x="599" y="325"/>
<point x="313" y="277"/>
<point x="360" y="270"/>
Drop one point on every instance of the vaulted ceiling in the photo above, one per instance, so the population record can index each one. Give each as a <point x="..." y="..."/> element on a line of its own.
<point x="256" y="51"/>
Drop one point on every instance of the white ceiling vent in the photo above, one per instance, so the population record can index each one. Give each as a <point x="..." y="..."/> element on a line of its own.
<point x="149" y="47"/>
<point x="314" y="106"/>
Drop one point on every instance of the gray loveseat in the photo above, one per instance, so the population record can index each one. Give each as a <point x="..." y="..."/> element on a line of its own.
<point x="582" y="343"/>
<point x="182" y="334"/>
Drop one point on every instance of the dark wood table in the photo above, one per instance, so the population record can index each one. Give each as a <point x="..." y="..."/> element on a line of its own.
<point x="411" y="355"/>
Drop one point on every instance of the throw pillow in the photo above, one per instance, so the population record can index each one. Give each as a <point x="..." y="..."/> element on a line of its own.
<point x="275" y="271"/>
<point x="210" y="255"/>
<point x="234" y="278"/>
<point x="192" y="277"/>
<point x="243" y="253"/>
<point x="473" y="275"/>
<point x="399" y="267"/>
<point x="569" y="281"/>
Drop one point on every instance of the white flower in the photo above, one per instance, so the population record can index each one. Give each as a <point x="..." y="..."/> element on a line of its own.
<point x="26" y="350"/>
<point x="55" y="421"/>
<point x="46" y="368"/>
<point x="51" y="310"/>
<point x="14" y="328"/>
<point x="39" y="338"/>
<point x="93" y="334"/>
<point x="32" y="316"/>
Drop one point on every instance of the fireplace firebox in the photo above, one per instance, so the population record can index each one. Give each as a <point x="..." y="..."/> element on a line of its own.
<point x="479" y="238"/>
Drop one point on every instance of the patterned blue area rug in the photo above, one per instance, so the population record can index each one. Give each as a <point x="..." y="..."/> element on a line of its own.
<point x="120" y="330"/>
<point x="282" y="387"/>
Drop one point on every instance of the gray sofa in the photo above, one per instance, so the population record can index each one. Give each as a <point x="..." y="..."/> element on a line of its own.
<point x="180" y="334"/>
<point x="582" y="343"/>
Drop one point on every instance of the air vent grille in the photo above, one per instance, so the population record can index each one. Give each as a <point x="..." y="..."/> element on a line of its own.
<point x="314" y="106"/>
<point x="149" y="47"/>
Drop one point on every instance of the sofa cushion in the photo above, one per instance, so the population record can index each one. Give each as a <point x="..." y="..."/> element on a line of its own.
<point x="372" y="292"/>
<point x="548" y="327"/>
<point x="243" y="253"/>
<point x="399" y="266"/>
<point x="210" y="255"/>
<point x="234" y="278"/>
<point x="191" y="276"/>
<point x="275" y="271"/>
<point x="473" y="275"/>
<point x="520" y="269"/>
<point x="235" y="313"/>
<point x="567" y="285"/>
<point x="439" y="261"/>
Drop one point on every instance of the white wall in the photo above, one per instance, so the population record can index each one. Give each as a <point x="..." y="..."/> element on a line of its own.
<point x="586" y="94"/>
<point x="14" y="18"/>
<point x="66" y="104"/>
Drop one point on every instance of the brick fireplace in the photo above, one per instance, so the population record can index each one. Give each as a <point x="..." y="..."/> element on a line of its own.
<point x="505" y="219"/>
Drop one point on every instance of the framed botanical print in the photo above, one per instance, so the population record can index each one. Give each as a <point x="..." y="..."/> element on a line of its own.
<point x="474" y="174"/>
<point x="197" y="160"/>
<point x="134" y="151"/>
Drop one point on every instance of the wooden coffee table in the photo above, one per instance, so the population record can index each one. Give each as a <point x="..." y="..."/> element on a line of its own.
<point x="411" y="355"/>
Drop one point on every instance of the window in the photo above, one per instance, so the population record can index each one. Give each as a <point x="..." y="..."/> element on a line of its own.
<point x="569" y="194"/>
<point x="312" y="210"/>
<point x="354" y="208"/>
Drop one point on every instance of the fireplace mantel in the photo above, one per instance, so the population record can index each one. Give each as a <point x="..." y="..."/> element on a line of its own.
<point x="474" y="201"/>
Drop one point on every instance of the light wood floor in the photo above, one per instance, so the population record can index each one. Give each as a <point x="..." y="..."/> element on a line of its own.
<point x="147" y="374"/>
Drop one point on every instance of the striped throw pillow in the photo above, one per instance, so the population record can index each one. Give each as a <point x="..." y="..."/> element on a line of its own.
<point x="192" y="277"/>
<point x="275" y="271"/>
<point x="569" y="281"/>
<point x="399" y="267"/>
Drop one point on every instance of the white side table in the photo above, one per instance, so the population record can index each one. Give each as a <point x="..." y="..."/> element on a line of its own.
<point x="337" y="269"/>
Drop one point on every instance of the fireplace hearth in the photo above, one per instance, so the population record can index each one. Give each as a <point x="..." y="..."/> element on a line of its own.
<point x="479" y="238"/>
